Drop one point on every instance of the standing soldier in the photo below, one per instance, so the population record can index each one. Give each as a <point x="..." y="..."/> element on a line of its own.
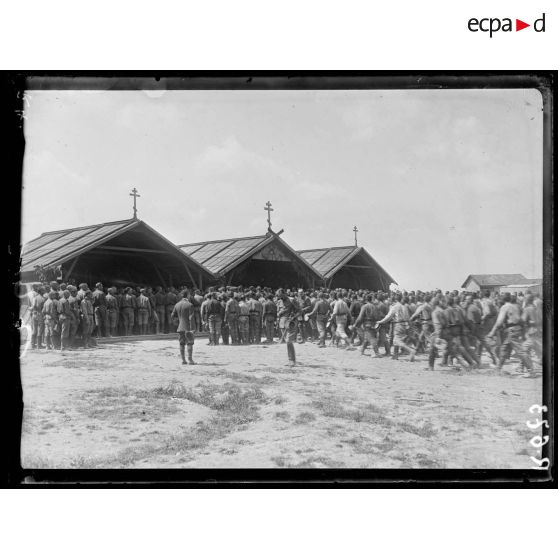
<point x="87" y="318"/>
<point x="320" y="313"/>
<point x="144" y="312"/>
<point x="197" y="302"/>
<point x="64" y="319"/>
<point x="100" y="309"/>
<point x="183" y="311"/>
<point x="112" y="311"/>
<point x="354" y="311"/>
<point x="74" y="315"/>
<point x="231" y="317"/>
<point x="255" y="328"/>
<point x="367" y="317"/>
<point x="50" y="312"/>
<point x="243" y="320"/>
<point x="225" y="332"/>
<point x="38" y="319"/>
<point x="153" y="317"/>
<point x="160" y="301"/>
<point x="269" y="316"/>
<point x="129" y="303"/>
<point x="214" y="318"/>
<point x="305" y="306"/>
<point x="170" y="301"/>
<point x="400" y="315"/>
<point x="290" y="312"/>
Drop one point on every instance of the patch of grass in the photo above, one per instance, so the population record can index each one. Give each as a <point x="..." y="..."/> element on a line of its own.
<point x="330" y="407"/>
<point x="279" y="400"/>
<point x="305" y="418"/>
<point x="282" y="415"/>
<point x="424" y="431"/>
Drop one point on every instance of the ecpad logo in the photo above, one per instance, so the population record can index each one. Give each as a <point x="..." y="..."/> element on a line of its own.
<point x="494" y="24"/>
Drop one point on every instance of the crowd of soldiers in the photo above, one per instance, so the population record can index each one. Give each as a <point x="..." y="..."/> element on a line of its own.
<point x="454" y="327"/>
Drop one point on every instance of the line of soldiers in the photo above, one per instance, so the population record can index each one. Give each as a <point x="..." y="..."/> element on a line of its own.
<point x="455" y="327"/>
<point x="63" y="316"/>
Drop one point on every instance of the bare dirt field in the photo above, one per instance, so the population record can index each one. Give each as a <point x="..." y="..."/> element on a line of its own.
<point x="133" y="405"/>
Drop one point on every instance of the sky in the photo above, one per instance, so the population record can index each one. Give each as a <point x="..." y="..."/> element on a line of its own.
<point x="440" y="183"/>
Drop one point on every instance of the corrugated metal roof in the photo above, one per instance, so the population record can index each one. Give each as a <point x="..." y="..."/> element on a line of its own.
<point x="217" y="255"/>
<point x="325" y="260"/>
<point x="494" y="280"/>
<point x="54" y="247"/>
<point x="328" y="261"/>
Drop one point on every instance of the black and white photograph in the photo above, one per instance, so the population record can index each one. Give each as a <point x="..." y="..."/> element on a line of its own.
<point x="255" y="275"/>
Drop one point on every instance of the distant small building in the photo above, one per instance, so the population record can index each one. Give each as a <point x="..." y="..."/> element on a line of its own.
<point x="492" y="283"/>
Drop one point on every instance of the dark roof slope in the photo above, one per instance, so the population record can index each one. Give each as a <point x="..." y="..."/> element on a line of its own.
<point x="328" y="261"/>
<point x="220" y="256"/>
<point x="55" y="247"/>
<point x="495" y="280"/>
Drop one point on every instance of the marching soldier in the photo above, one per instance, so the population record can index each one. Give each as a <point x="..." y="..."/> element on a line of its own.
<point x="399" y="315"/>
<point x="532" y="322"/>
<point x="368" y="317"/>
<point x="320" y="313"/>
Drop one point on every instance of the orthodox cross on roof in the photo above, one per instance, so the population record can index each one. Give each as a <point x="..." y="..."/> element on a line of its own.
<point x="269" y="209"/>
<point x="135" y="195"/>
<point x="355" y="230"/>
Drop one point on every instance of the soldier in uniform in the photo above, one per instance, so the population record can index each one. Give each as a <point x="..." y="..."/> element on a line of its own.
<point x="129" y="303"/>
<point x="100" y="309"/>
<point x="170" y="301"/>
<point x="532" y="322"/>
<point x="214" y="318"/>
<point x="341" y="315"/>
<point x="269" y="317"/>
<point x="74" y="315"/>
<point x="87" y="318"/>
<point x="160" y="301"/>
<point x="439" y="336"/>
<point x="423" y="312"/>
<point x="64" y="319"/>
<point x="368" y="317"/>
<point x="225" y="332"/>
<point x="231" y="317"/>
<point x="144" y="312"/>
<point x="489" y="314"/>
<point x="50" y="313"/>
<point x="509" y="320"/>
<point x="290" y="312"/>
<point x="197" y="302"/>
<point x="112" y="311"/>
<point x="38" y="319"/>
<point x="183" y="312"/>
<point x="320" y="313"/>
<point x="399" y="315"/>
<point x="243" y="321"/>
<point x="255" y="324"/>
<point x="383" y="330"/>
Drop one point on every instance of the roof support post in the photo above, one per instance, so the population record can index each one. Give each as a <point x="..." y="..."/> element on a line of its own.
<point x="190" y="276"/>
<point x="69" y="272"/>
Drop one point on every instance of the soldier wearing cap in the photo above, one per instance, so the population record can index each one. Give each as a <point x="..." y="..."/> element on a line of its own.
<point x="368" y="317"/>
<point x="231" y="317"/>
<point x="112" y="311"/>
<point x="64" y="319"/>
<point x="225" y="331"/>
<point x="214" y="318"/>
<point x="52" y="326"/>
<point x="269" y="317"/>
<point x="289" y="312"/>
<point x="100" y="309"/>
<point x="160" y="301"/>
<point x="243" y="320"/>
<point x="129" y="303"/>
<point x="183" y="313"/>
<point x="320" y="313"/>
<point x="87" y="318"/>
<point x="38" y="319"/>
<point x="255" y="324"/>
<point x="74" y="315"/>
<point x="170" y="301"/>
<point x="144" y="312"/>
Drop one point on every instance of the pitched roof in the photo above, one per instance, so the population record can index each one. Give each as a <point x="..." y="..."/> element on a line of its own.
<point x="55" y="247"/>
<point x="328" y="261"/>
<point x="220" y="256"/>
<point x="494" y="280"/>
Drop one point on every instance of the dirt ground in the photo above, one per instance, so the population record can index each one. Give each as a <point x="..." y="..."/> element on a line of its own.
<point x="133" y="405"/>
